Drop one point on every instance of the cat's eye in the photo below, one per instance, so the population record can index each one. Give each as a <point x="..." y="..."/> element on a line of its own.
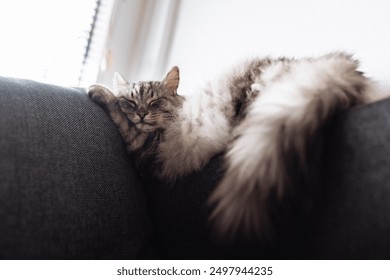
<point x="127" y="104"/>
<point x="132" y="103"/>
<point x="155" y="103"/>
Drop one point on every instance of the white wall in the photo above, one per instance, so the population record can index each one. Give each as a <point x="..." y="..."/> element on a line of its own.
<point x="212" y="35"/>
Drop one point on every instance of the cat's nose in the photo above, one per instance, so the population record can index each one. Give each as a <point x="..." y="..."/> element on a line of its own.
<point x="142" y="114"/>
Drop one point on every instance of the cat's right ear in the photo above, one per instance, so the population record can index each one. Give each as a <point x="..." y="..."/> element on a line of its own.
<point x="120" y="84"/>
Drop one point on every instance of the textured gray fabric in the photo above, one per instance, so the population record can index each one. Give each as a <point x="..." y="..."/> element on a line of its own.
<point x="345" y="216"/>
<point x="354" y="220"/>
<point x="67" y="188"/>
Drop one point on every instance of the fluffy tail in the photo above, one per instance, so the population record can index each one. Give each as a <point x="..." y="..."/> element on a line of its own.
<point x="292" y="105"/>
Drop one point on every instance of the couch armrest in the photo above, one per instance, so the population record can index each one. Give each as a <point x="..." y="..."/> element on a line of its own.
<point x="67" y="187"/>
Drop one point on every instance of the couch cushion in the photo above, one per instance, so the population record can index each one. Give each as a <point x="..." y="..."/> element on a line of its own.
<point x="67" y="188"/>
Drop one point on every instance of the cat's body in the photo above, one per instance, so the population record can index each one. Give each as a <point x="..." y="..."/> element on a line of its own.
<point x="264" y="114"/>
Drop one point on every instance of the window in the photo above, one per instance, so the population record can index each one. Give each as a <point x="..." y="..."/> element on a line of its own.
<point x="54" y="41"/>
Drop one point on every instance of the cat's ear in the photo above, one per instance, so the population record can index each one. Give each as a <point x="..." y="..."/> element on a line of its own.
<point x="171" y="81"/>
<point x="120" y="84"/>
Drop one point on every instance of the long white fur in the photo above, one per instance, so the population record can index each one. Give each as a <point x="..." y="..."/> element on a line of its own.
<point x="282" y="113"/>
<point x="201" y="130"/>
<point x="292" y="100"/>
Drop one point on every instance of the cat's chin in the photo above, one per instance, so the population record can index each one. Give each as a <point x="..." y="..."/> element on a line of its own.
<point x="145" y="127"/>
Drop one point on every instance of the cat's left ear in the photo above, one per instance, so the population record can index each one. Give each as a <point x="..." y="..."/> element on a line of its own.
<point x="120" y="84"/>
<point x="171" y="81"/>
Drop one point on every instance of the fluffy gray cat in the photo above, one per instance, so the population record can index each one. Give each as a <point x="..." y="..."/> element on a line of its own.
<point x="263" y="114"/>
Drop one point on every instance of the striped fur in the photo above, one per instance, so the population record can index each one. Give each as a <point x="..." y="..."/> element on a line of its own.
<point x="140" y="110"/>
<point x="264" y="113"/>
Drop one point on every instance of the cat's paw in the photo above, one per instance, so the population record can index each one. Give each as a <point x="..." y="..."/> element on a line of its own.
<point x="101" y="95"/>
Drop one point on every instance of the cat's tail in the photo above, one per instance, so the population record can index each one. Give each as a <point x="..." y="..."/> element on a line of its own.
<point x="271" y="143"/>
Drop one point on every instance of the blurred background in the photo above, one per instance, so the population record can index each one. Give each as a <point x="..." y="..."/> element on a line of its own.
<point x="81" y="42"/>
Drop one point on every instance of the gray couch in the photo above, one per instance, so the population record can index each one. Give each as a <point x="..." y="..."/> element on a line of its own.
<point x="68" y="190"/>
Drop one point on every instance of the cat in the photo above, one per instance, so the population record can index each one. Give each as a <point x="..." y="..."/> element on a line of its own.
<point x="264" y="114"/>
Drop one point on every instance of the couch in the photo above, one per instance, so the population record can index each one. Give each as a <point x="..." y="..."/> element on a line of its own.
<point x="69" y="190"/>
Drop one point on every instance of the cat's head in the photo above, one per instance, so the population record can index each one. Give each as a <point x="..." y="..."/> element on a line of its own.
<point x="149" y="105"/>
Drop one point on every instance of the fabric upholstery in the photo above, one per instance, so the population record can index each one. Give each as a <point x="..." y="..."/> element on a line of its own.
<point x="348" y="211"/>
<point x="67" y="188"/>
<point x="69" y="191"/>
<point x="354" y="217"/>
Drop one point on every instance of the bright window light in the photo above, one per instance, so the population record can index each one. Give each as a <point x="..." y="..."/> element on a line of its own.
<point x="46" y="40"/>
